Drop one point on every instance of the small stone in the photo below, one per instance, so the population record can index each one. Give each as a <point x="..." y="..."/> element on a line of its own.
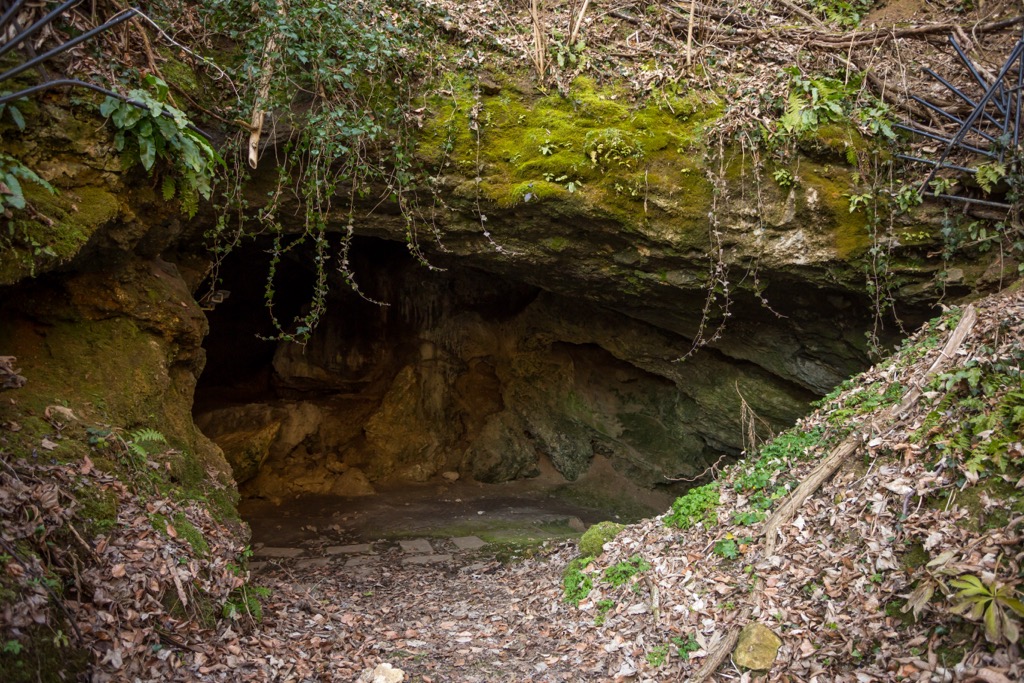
<point x="450" y="476"/>
<point x="757" y="647"/>
<point x="576" y="524"/>
<point x="383" y="673"/>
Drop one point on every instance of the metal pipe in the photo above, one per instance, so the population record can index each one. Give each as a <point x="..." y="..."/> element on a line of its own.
<point x="91" y="86"/>
<point x="956" y="92"/>
<point x="952" y="117"/>
<point x="1017" y="111"/>
<point x="1017" y="53"/>
<point x="9" y="14"/>
<point x="970" y="200"/>
<point x="31" y="30"/>
<point x="930" y="162"/>
<point x="68" y="45"/>
<point x="933" y="136"/>
<point x="974" y="72"/>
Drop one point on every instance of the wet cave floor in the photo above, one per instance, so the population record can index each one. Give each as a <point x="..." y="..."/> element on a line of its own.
<point x="506" y="517"/>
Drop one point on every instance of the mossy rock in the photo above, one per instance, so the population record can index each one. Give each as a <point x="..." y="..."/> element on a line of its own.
<point x="593" y="540"/>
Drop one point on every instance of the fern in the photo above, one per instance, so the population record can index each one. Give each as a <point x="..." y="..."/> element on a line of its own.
<point x="146" y="435"/>
<point x="167" y="189"/>
<point x="792" y="120"/>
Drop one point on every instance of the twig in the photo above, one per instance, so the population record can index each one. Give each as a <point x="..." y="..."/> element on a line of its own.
<point x="689" y="33"/>
<point x="577" y="23"/>
<point x="539" y="41"/>
<point x="801" y="12"/>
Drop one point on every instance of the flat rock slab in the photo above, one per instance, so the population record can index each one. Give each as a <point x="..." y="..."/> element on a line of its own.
<point x="267" y="551"/>
<point x="349" y="549"/>
<point x="311" y="562"/>
<point x="417" y="546"/>
<point x="426" y="559"/>
<point x="359" y="562"/>
<point x="468" y="543"/>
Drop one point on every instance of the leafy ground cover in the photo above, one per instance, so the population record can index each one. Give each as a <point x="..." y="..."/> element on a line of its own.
<point x="903" y="566"/>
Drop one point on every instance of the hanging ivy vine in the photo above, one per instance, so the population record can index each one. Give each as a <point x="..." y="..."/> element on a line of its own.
<point x="328" y="90"/>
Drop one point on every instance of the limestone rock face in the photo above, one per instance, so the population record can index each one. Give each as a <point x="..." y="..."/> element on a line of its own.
<point x="757" y="647"/>
<point x="119" y="347"/>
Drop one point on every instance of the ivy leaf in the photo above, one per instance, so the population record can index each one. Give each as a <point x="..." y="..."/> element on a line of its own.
<point x="147" y="153"/>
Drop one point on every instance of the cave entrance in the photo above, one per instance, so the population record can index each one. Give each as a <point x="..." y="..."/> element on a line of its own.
<point x="457" y="407"/>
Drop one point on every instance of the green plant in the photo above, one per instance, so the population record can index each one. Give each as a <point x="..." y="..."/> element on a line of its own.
<point x="158" y="131"/>
<point x="245" y="601"/>
<point x="686" y="646"/>
<point x="994" y="603"/>
<point x="748" y="518"/>
<point x="729" y="547"/>
<point x="783" y="177"/>
<point x="698" y="505"/>
<point x="141" y="436"/>
<point x="656" y="657"/>
<point x="567" y="55"/>
<point x="12" y="195"/>
<point x="621" y="572"/>
<point x="990" y="175"/>
<point x="11" y="647"/>
<point x="847" y="13"/>
<point x="813" y="101"/>
<point x="612" y="147"/>
<point x="878" y="119"/>
<point x="576" y="584"/>
<point x="570" y="184"/>
<point x="603" y="608"/>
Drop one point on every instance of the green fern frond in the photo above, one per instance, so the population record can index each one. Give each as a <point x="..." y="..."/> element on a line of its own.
<point x="146" y="435"/>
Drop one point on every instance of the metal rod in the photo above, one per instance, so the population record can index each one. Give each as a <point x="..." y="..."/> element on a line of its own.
<point x="1017" y="112"/>
<point x="31" y="30"/>
<point x="63" y="82"/>
<point x="933" y="136"/>
<point x="970" y="200"/>
<point x="952" y="117"/>
<point x="9" y="14"/>
<point x="970" y="67"/>
<point x="68" y="45"/>
<point x="956" y="92"/>
<point x="1018" y="51"/>
<point x="952" y="167"/>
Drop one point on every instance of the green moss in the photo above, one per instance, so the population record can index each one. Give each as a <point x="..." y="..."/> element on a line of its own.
<point x="184" y="529"/>
<point x="831" y="142"/>
<point x="831" y="197"/>
<point x="35" y="245"/>
<point x="618" y="150"/>
<point x="593" y="540"/>
<point x="915" y="556"/>
<point x="555" y="244"/>
<point x="99" y="509"/>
